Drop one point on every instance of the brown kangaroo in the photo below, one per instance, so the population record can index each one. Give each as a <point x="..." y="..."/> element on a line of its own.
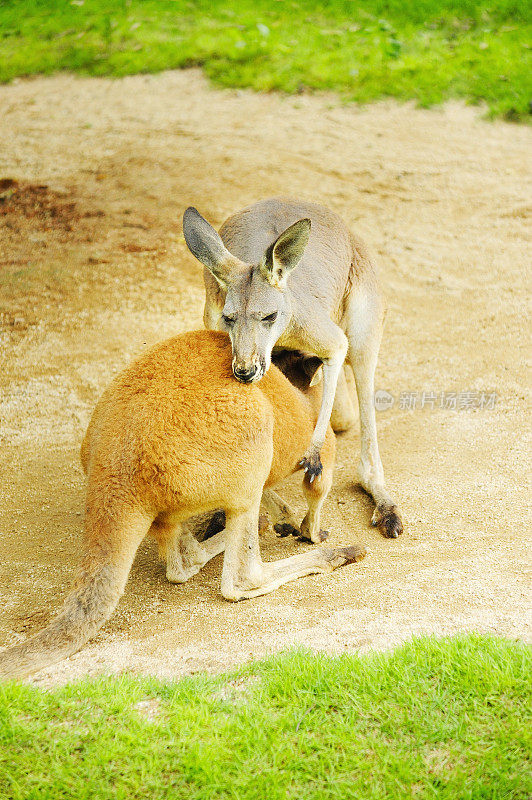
<point x="290" y="275"/>
<point x="174" y="436"/>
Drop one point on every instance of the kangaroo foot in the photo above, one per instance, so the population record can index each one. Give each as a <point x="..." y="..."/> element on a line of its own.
<point x="387" y="519"/>
<point x="283" y="529"/>
<point x="302" y="535"/>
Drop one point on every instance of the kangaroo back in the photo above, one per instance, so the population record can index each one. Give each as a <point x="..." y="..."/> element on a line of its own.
<point x="177" y="430"/>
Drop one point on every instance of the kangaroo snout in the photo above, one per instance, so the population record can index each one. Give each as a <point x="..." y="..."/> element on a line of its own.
<point x="245" y="376"/>
<point x="247" y="371"/>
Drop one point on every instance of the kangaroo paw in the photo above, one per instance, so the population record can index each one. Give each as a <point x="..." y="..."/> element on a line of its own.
<point x="311" y="463"/>
<point x="387" y="519"/>
<point x="283" y="529"/>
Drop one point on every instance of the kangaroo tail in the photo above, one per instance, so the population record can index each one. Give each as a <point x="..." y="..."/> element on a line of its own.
<point x="96" y="592"/>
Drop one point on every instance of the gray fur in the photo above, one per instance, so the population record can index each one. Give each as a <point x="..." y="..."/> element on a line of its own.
<point x="327" y="303"/>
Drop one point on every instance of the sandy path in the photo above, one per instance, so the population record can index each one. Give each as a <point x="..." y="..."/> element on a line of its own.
<point x="93" y="269"/>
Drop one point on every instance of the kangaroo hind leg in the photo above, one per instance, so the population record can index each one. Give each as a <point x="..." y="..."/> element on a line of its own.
<point x="245" y="575"/>
<point x="364" y="332"/>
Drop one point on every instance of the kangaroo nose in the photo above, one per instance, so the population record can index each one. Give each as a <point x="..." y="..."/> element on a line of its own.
<point x="245" y="375"/>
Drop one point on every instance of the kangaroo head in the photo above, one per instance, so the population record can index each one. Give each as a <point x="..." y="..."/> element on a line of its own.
<point x="257" y="305"/>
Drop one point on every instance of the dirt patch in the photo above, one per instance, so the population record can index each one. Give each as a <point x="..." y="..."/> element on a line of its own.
<point x="37" y="202"/>
<point x="93" y="269"/>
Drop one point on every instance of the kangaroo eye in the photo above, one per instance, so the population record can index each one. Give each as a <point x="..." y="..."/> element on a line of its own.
<point x="270" y="318"/>
<point x="228" y="320"/>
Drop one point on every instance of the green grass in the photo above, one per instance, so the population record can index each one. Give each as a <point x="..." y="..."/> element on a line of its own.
<point x="428" y="50"/>
<point x="434" y="719"/>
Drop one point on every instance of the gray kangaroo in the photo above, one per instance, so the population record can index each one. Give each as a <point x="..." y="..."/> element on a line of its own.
<point x="289" y="275"/>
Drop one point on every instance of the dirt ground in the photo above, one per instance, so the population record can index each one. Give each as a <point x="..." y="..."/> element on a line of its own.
<point x="93" y="268"/>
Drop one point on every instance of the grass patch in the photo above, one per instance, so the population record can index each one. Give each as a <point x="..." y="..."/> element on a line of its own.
<point x="436" y="718"/>
<point x="428" y="50"/>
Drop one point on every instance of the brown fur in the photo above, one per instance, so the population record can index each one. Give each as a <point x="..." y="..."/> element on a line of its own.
<point x="175" y="435"/>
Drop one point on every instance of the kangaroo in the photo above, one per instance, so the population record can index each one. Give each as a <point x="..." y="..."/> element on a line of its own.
<point x="173" y="436"/>
<point x="290" y="275"/>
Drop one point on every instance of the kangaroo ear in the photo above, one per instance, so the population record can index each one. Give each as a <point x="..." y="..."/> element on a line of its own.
<point x="285" y="253"/>
<point x="205" y="243"/>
